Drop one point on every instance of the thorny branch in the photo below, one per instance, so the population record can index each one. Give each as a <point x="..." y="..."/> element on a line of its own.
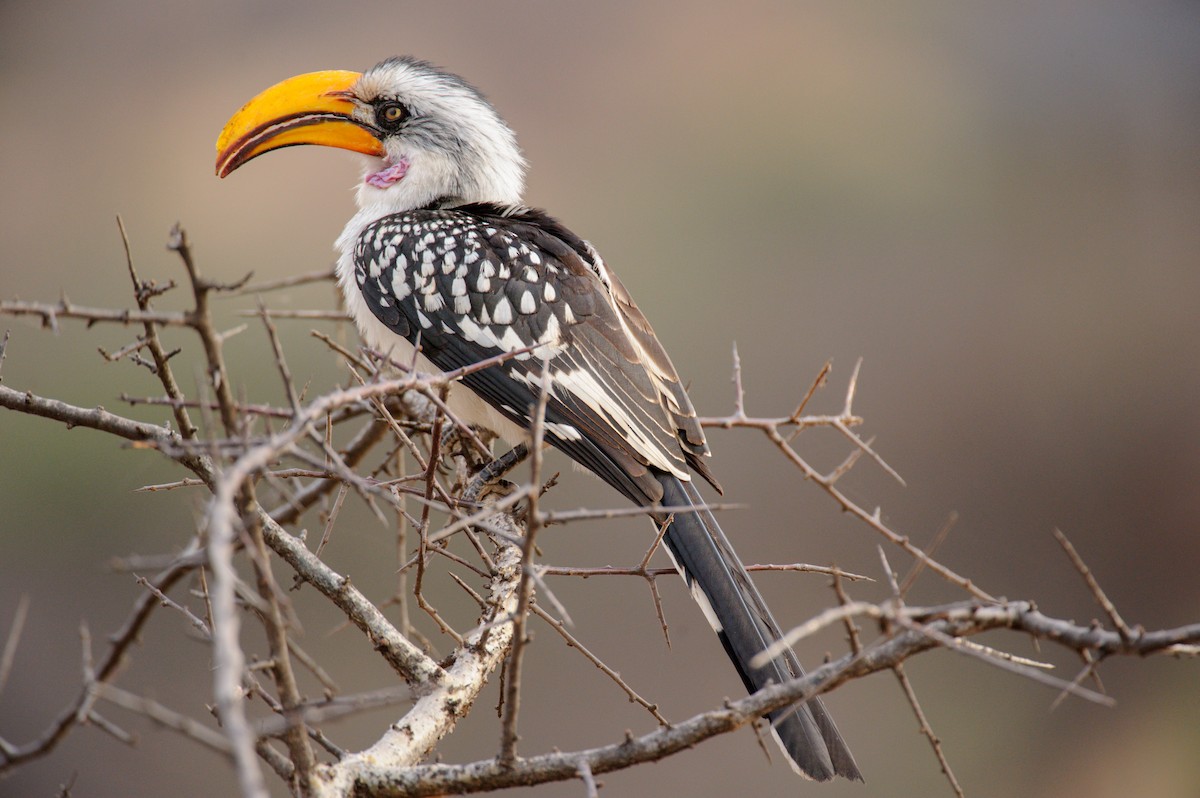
<point x="783" y="431"/>
<point x="403" y="450"/>
<point x="954" y="621"/>
<point x="143" y="293"/>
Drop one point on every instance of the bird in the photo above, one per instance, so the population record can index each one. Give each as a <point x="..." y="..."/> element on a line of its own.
<point x="445" y="264"/>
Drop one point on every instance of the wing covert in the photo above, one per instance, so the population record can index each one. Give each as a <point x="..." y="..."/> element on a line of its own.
<point x="473" y="283"/>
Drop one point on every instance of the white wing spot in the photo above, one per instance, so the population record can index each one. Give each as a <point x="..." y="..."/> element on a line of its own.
<point x="434" y="302"/>
<point x="528" y="303"/>
<point x="511" y="342"/>
<point x="503" y="312"/>
<point x="469" y="329"/>
<point x="552" y="333"/>
<point x="480" y="335"/>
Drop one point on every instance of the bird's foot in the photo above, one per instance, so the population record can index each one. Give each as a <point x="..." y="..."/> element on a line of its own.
<point x="489" y="480"/>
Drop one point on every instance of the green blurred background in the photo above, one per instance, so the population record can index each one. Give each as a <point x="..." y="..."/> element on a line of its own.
<point x="996" y="205"/>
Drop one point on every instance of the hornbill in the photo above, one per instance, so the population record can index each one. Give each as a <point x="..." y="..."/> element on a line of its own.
<point x="443" y="262"/>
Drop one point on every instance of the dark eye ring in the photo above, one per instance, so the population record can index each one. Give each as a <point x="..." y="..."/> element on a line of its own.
<point x="390" y="115"/>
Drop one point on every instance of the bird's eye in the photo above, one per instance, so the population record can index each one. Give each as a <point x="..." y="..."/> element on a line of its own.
<point x="390" y="115"/>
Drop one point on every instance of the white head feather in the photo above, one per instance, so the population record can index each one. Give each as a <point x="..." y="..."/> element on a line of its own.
<point x="456" y="146"/>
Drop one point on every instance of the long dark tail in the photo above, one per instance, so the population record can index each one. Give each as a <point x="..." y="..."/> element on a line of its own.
<point x="740" y="617"/>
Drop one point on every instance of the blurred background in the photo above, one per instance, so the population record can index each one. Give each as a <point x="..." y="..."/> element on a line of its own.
<point x="997" y="207"/>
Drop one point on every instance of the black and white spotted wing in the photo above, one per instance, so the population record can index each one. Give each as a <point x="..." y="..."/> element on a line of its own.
<point x="473" y="282"/>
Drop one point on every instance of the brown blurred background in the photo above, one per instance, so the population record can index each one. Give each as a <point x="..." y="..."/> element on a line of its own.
<point x="997" y="207"/>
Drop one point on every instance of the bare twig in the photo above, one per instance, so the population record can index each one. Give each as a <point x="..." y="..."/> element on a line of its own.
<point x="164" y="716"/>
<point x="574" y="643"/>
<point x="609" y="570"/>
<point x="200" y="319"/>
<point x="927" y="730"/>
<point x="197" y="623"/>
<point x="589" y="781"/>
<point x="331" y="519"/>
<point x="242" y="407"/>
<point x="606" y="514"/>
<point x="3" y="351"/>
<point x="186" y="482"/>
<point x="1089" y="669"/>
<point x="142" y="293"/>
<point x="65" y="309"/>
<point x="13" y="640"/>
<point x="1109" y="608"/>
<point x="289" y="385"/>
<point x="305" y="315"/>
<point x="817" y="383"/>
<point x="914" y="571"/>
<point x="321" y="275"/>
<point x="852" y="630"/>
<point x="336" y="708"/>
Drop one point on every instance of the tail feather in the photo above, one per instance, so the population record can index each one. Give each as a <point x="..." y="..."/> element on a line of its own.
<point x="740" y="617"/>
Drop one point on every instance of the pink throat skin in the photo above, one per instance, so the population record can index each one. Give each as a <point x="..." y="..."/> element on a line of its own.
<point x="389" y="176"/>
